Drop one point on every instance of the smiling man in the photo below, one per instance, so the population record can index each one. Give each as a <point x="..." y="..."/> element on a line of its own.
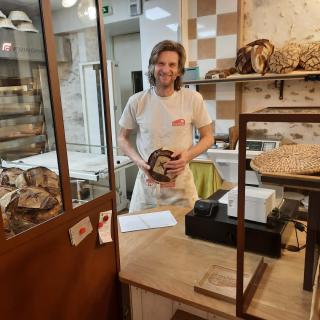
<point x="164" y="116"/>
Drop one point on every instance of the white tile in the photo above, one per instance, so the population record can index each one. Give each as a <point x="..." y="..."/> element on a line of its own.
<point x="225" y="6"/>
<point x="225" y="91"/>
<point x="193" y="49"/>
<point x="192" y="8"/>
<point x="226" y="46"/>
<point x="222" y="126"/>
<point x="212" y="108"/>
<point x="207" y="27"/>
<point x="205" y="65"/>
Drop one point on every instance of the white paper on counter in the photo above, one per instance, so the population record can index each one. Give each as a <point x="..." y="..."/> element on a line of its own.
<point x="144" y="221"/>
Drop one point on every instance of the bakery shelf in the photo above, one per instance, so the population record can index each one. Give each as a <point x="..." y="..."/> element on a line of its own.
<point x="305" y="75"/>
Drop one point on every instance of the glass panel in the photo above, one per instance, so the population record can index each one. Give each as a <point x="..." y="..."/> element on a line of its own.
<point x="29" y="186"/>
<point x="81" y="95"/>
<point x="276" y="212"/>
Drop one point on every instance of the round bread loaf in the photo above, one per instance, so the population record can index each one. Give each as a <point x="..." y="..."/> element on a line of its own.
<point x="260" y="55"/>
<point x="310" y="56"/>
<point x="156" y="161"/>
<point x="249" y="60"/>
<point x="9" y="175"/>
<point x="243" y="62"/>
<point x="285" y="60"/>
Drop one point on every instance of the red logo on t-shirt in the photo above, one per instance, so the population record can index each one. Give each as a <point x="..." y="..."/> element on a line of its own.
<point x="178" y="122"/>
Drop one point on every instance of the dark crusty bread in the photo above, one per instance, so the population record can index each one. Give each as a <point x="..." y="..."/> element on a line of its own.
<point x="156" y="161"/>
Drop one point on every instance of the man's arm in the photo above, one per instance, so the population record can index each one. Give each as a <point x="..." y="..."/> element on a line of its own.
<point x="205" y="142"/>
<point x="127" y="148"/>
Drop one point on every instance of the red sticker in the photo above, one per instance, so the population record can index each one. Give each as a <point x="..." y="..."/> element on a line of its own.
<point x="178" y="122"/>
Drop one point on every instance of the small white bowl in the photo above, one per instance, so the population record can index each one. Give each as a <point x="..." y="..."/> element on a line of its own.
<point x="2" y="15"/>
<point x="27" y="27"/>
<point x="7" y="23"/>
<point x="19" y="16"/>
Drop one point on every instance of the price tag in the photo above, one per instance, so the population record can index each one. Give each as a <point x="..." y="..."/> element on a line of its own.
<point x="104" y="227"/>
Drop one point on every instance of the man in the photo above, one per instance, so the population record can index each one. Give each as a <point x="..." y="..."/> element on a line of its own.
<point x="164" y="117"/>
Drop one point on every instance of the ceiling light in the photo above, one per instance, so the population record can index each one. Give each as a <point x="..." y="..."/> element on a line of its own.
<point x="156" y="13"/>
<point x="92" y="13"/>
<point x="87" y="10"/>
<point x="173" y="26"/>
<point x="68" y="3"/>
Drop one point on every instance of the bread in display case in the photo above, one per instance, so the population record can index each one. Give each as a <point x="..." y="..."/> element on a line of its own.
<point x="28" y="196"/>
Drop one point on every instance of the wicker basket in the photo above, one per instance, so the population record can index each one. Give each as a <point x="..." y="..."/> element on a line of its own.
<point x="294" y="159"/>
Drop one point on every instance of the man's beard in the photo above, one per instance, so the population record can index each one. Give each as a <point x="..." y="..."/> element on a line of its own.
<point x="165" y="85"/>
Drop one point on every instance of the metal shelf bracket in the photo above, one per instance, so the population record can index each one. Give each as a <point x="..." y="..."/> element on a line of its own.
<point x="280" y="85"/>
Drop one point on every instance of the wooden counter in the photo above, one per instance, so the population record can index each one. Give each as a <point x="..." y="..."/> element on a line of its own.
<point x="167" y="262"/>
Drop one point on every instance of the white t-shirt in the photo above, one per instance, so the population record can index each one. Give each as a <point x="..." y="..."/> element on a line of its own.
<point x="164" y="122"/>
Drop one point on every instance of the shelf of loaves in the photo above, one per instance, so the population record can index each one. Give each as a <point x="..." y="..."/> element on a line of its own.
<point x="236" y="77"/>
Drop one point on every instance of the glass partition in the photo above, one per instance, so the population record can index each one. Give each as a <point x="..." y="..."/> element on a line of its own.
<point x="29" y="185"/>
<point x="79" y="69"/>
<point x="280" y="213"/>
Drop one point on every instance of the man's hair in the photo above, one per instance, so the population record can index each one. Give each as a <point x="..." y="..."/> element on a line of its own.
<point x="167" y="45"/>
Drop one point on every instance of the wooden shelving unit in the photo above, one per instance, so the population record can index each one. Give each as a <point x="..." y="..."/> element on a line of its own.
<point x="295" y="75"/>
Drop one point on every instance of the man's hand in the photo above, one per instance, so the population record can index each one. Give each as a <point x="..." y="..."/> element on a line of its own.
<point x="143" y="166"/>
<point x="179" y="162"/>
<point x="127" y="148"/>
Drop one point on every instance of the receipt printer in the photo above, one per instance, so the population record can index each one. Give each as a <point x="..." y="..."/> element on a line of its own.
<point x="258" y="203"/>
<point x="205" y="208"/>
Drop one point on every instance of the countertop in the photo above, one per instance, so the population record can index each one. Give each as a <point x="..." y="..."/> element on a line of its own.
<point x="167" y="262"/>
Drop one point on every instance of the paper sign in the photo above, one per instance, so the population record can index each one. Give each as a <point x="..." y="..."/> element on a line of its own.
<point x="104" y="227"/>
<point x="80" y="230"/>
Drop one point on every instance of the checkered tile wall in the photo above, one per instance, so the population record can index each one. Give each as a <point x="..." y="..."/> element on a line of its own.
<point x="212" y="44"/>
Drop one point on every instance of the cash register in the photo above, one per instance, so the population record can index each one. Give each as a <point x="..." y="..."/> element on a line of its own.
<point x="215" y="220"/>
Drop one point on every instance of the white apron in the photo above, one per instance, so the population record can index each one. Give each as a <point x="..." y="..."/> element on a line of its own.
<point x="164" y="122"/>
<point x="146" y="196"/>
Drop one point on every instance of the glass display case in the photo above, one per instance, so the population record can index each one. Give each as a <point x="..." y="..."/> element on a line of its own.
<point x="296" y="265"/>
<point x="57" y="187"/>
<point x="30" y="177"/>
<point x="32" y="194"/>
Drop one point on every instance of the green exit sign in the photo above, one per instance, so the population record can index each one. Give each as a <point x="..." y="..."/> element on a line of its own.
<point x="106" y="10"/>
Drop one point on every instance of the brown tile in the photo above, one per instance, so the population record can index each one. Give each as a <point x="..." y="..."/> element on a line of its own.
<point x="193" y="63"/>
<point x="227" y="24"/>
<point x="207" y="48"/>
<point x="226" y="63"/>
<point x="206" y="7"/>
<point x="192" y="29"/>
<point x="208" y="91"/>
<point x="226" y="109"/>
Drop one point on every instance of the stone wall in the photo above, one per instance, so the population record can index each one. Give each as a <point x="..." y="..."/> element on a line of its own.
<point x="280" y="22"/>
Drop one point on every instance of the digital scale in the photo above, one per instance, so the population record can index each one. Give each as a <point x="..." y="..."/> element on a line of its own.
<point x="261" y="145"/>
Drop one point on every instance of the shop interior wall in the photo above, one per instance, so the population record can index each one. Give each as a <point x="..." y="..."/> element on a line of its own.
<point x="81" y="34"/>
<point x="281" y="22"/>
<point x="212" y="44"/>
<point x="123" y="45"/>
